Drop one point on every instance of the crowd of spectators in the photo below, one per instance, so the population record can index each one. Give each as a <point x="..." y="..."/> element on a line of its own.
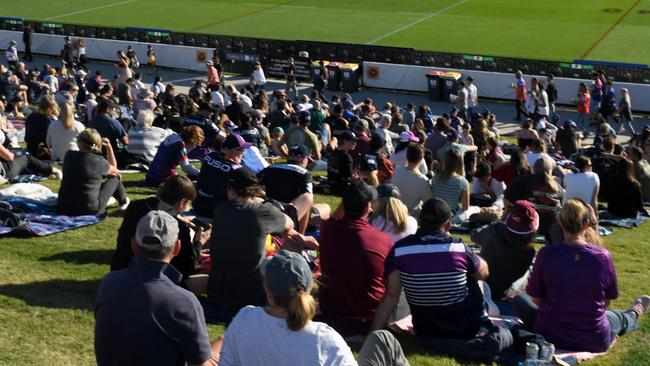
<point x="406" y="178"/>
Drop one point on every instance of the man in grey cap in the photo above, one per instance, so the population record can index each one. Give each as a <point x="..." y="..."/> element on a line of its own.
<point x="141" y="315"/>
<point x="12" y="54"/>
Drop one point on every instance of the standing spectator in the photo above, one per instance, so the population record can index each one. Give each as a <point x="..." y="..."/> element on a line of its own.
<point x="37" y="124"/>
<point x="461" y="101"/>
<point x="257" y="79"/>
<point x="132" y="57"/>
<point x="290" y="74"/>
<point x="584" y="107"/>
<point x="472" y="96"/>
<point x="213" y="75"/>
<point x="571" y="285"/>
<point x="414" y="186"/>
<point x="596" y="94"/>
<point x="551" y="91"/>
<point x="439" y="275"/>
<point x="520" y="94"/>
<point x="352" y="258"/>
<point x="608" y="106"/>
<point x="67" y="53"/>
<point x="12" y="54"/>
<point x="146" y="296"/>
<point x="320" y="80"/>
<point x="151" y="58"/>
<point x="82" y="58"/>
<point x="27" y="40"/>
<point x="83" y="189"/>
<point x="583" y="184"/>
<point x="625" y="112"/>
<point x="172" y="152"/>
<point x="62" y="133"/>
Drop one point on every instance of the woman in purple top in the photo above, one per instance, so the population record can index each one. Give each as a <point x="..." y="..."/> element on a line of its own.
<point x="571" y="286"/>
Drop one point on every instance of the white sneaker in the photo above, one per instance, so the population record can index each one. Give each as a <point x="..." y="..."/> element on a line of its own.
<point x="125" y="205"/>
<point x="639" y="306"/>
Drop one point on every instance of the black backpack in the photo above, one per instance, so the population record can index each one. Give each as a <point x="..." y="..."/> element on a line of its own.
<point x="10" y="216"/>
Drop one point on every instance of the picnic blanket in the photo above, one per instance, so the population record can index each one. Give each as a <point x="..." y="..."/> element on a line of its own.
<point x="605" y="218"/>
<point x="47" y="224"/>
<point x="27" y="178"/>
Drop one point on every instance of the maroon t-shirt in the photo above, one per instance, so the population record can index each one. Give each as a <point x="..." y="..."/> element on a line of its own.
<point x="352" y="258"/>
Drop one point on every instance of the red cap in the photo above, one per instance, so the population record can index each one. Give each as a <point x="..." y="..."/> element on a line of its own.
<point x="522" y="218"/>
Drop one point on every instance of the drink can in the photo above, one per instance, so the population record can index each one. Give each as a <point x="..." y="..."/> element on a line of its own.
<point x="532" y="350"/>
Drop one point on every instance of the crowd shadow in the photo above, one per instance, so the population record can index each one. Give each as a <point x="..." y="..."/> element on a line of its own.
<point x="56" y="294"/>
<point x="94" y="256"/>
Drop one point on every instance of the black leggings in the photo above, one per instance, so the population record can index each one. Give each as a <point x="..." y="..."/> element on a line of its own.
<point x="112" y="187"/>
<point x="21" y="163"/>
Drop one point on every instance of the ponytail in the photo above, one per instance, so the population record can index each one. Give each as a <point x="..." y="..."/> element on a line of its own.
<point x="300" y="306"/>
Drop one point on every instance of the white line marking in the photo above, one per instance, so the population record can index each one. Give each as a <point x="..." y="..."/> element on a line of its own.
<point x="280" y="6"/>
<point x="429" y="16"/>
<point x="91" y="9"/>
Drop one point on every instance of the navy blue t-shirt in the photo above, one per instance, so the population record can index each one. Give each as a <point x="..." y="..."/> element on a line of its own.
<point x="142" y="317"/>
<point x="108" y="127"/>
<point x="212" y="183"/>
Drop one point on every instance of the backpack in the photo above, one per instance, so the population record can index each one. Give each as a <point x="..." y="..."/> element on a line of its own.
<point x="10" y="216"/>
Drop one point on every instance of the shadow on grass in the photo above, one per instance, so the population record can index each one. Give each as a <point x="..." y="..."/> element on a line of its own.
<point x="57" y="294"/>
<point x="96" y="256"/>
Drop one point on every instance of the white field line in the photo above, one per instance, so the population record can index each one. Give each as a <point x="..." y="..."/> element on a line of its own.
<point x="91" y="9"/>
<point x="429" y="16"/>
<point x="280" y="6"/>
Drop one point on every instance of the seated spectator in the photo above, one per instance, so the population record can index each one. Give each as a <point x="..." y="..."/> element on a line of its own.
<point x="641" y="171"/>
<point x="568" y="139"/>
<point x="144" y="138"/>
<point x="62" y="133"/>
<point x="517" y="166"/>
<point x="439" y="275"/>
<point x="452" y="142"/>
<point x="390" y="215"/>
<point x="282" y="332"/>
<point x="368" y="171"/>
<point x="570" y="287"/>
<point x="451" y="186"/>
<point x="215" y="172"/>
<point x="583" y="184"/>
<point x="16" y="162"/>
<point x="173" y="152"/>
<point x="292" y="185"/>
<point x="340" y="166"/>
<point x="299" y="134"/>
<point x="352" y="259"/>
<point x="541" y="189"/>
<point x="90" y="180"/>
<point x="385" y="168"/>
<point x="495" y="155"/>
<point x="604" y="164"/>
<point x="538" y="151"/>
<point x="437" y="138"/>
<point x="625" y="199"/>
<point x="107" y="126"/>
<point x="384" y="130"/>
<point x="526" y="135"/>
<point x="36" y="126"/>
<point x="238" y="245"/>
<point x="486" y="191"/>
<point x="398" y="159"/>
<point x="144" y="101"/>
<point x="277" y="147"/>
<point x="248" y="132"/>
<point x="507" y="247"/>
<point x="145" y="296"/>
<point x="174" y="197"/>
<point x="414" y="187"/>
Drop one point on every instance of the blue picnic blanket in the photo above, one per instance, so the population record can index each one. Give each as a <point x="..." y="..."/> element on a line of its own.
<point x="27" y="178"/>
<point x="45" y="224"/>
<point x="605" y="218"/>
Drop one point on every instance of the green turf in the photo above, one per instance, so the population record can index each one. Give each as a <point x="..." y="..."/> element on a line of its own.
<point x="48" y="286"/>
<point x="549" y="30"/>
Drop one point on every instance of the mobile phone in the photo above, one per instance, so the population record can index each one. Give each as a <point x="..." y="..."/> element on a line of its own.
<point x="200" y="223"/>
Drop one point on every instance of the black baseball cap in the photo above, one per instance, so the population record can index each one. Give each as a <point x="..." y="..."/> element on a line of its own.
<point x="434" y="213"/>
<point x="348" y="136"/>
<point x="368" y="163"/>
<point x="233" y="141"/>
<point x="377" y="140"/>
<point x="388" y="190"/>
<point x="242" y="178"/>
<point x="452" y="134"/>
<point x="357" y="197"/>
<point x="298" y="151"/>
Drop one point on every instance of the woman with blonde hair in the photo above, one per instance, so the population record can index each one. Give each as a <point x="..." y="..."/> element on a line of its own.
<point x="62" y="133"/>
<point x="570" y="287"/>
<point x="37" y="124"/>
<point x="390" y="215"/>
<point x="283" y="333"/>
<point x="90" y="180"/>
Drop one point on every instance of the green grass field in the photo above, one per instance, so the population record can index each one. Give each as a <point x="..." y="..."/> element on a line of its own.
<point x="561" y="30"/>
<point x="48" y="287"/>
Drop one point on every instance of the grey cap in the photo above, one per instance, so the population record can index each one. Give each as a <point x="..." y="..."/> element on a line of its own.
<point x="285" y="271"/>
<point x="157" y="229"/>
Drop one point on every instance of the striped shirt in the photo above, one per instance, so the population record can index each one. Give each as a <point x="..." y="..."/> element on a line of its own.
<point x="434" y="271"/>
<point x="450" y="190"/>
<point x="144" y="141"/>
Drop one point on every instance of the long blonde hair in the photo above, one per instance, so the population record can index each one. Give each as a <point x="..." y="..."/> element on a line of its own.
<point x="67" y="115"/>
<point x="574" y="215"/>
<point x="391" y="210"/>
<point x="47" y="106"/>
<point x="89" y="139"/>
